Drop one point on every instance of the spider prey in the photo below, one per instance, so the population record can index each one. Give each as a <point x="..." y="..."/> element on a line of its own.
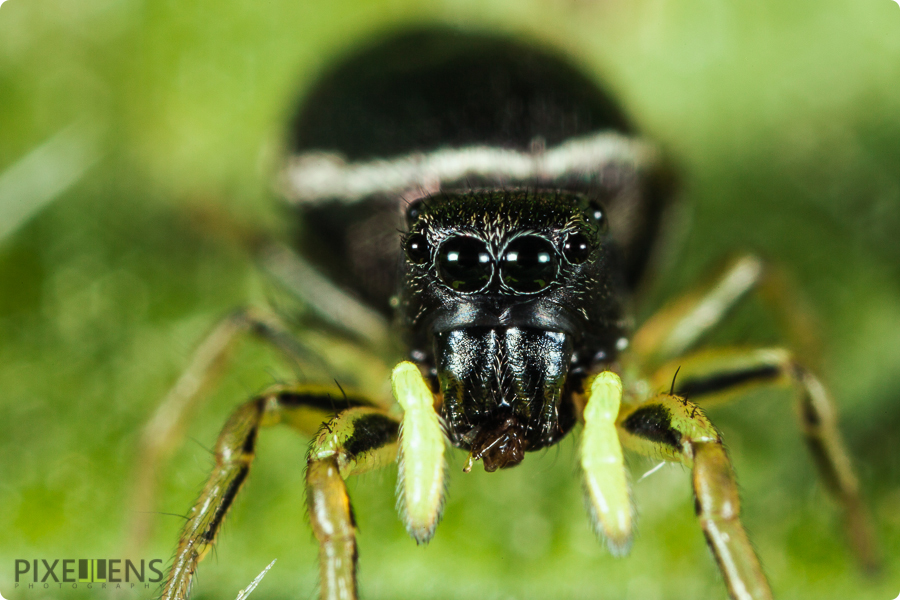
<point x="527" y="207"/>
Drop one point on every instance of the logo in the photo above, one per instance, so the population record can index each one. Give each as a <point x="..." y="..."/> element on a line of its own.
<point x="75" y="573"/>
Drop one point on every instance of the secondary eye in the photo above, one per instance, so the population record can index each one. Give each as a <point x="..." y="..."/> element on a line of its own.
<point x="529" y="264"/>
<point x="417" y="248"/>
<point x="464" y="264"/>
<point x="597" y="215"/>
<point x="576" y="248"/>
<point x="414" y="211"/>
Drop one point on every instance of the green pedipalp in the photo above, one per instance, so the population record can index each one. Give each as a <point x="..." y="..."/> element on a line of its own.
<point x="605" y="481"/>
<point x="420" y="487"/>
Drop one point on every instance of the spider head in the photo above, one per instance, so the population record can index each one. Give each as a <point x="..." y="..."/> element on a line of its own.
<point x="504" y="292"/>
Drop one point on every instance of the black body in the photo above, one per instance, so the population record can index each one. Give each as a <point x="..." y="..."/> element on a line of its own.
<point x="510" y="333"/>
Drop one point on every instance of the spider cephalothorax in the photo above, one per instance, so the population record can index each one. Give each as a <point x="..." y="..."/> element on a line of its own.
<point x="508" y="292"/>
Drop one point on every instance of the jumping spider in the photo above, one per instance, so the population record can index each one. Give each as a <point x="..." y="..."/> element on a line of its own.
<point x="527" y="208"/>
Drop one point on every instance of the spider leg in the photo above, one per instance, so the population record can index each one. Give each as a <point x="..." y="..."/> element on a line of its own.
<point x="321" y="296"/>
<point x="722" y="374"/>
<point x="327" y="300"/>
<point x="674" y="329"/>
<point x="681" y="324"/>
<point x="165" y="429"/>
<point x="335" y="455"/>
<point x="360" y="438"/>
<point x="356" y="441"/>
<point x="675" y="429"/>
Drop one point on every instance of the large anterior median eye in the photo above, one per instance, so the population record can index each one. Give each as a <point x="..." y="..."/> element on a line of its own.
<point x="528" y="264"/>
<point x="465" y="264"/>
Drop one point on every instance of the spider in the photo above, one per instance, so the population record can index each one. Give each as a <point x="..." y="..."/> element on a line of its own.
<point x="527" y="208"/>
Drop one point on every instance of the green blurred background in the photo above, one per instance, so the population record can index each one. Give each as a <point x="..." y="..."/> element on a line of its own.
<point x="134" y="117"/>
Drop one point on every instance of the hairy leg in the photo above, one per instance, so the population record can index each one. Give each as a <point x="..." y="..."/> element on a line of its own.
<point x="720" y="375"/>
<point x="678" y="326"/>
<point x="165" y="429"/>
<point x="359" y="438"/>
<point x="675" y="429"/>
<point x="329" y="302"/>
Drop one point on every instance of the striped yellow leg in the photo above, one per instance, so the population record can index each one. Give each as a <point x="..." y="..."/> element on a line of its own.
<point x="678" y="326"/>
<point x="359" y="438"/>
<point x="165" y="430"/>
<point x="675" y="429"/>
<point x="710" y="376"/>
<point x="720" y="375"/>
